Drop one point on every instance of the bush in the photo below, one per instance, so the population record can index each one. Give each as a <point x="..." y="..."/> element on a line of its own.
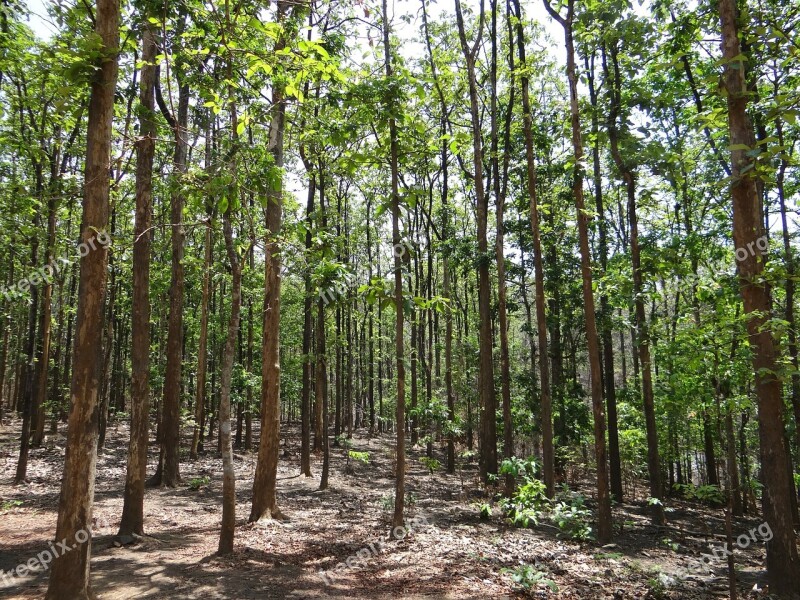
<point x="528" y="577"/>
<point x="525" y="506"/>
<point x="431" y="463"/>
<point x="707" y="494"/>
<point x="198" y="482"/>
<point x="360" y="456"/>
<point x="572" y="518"/>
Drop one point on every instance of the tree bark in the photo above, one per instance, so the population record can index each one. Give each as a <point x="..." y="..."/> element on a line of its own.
<point x="305" y="402"/>
<point x="782" y="558"/>
<point x="132" y="521"/>
<point x="69" y="574"/>
<point x="170" y="425"/>
<point x="488" y="449"/>
<point x="394" y="151"/>
<point x="265" y="481"/>
<point x="228" y="473"/>
<point x="609" y="384"/>
<point x="603" y="498"/>
<point x="548" y="468"/>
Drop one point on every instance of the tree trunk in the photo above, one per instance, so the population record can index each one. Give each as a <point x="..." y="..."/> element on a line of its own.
<point x="45" y="325"/>
<point x="321" y="360"/>
<point x="609" y="384"/>
<point x="26" y="373"/>
<point x="499" y="188"/>
<point x="228" y="472"/>
<point x="603" y="498"/>
<point x="69" y="574"/>
<point x="548" y="469"/>
<point x="305" y="402"/>
<point x="782" y="558"/>
<point x="394" y="150"/>
<point x="264" y="484"/>
<point x="488" y="450"/>
<point x="642" y="333"/>
<point x="789" y="259"/>
<point x="446" y="235"/>
<point x="170" y="425"/>
<point x="132" y="520"/>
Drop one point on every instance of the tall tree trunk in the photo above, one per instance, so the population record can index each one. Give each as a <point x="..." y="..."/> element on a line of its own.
<point x="305" y="402"/>
<point x="45" y="325"/>
<point x="446" y="235"/>
<point x="264" y="484"/>
<point x="642" y="333"/>
<point x="789" y="288"/>
<point x="782" y="558"/>
<point x="69" y="573"/>
<point x="499" y="186"/>
<point x="413" y="284"/>
<point x="488" y="450"/>
<point x="228" y="472"/>
<point x="170" y="426"/>
<point x="132" y="521"/>
<point x="371" y="336"/>
<point x="603" y="498"/>
<point x="6" y="328"/>
<point x="321" y="360"/>
<point x="394" y="151"/>
<point x="202" y="349"/>
<point x="26" y="373"/>
<point x="548" y="469"/>
<point x="615" y="462"/>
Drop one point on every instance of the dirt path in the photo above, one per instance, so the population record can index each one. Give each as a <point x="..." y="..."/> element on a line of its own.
<point x="451" y="553"/>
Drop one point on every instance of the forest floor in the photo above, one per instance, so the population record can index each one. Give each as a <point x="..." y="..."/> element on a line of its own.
<point x="456" y="555"/>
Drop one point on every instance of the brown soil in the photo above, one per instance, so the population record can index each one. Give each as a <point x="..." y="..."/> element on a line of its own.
<point x="457" y="556"/>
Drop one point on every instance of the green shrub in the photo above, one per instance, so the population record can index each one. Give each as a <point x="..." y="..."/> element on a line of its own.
<point x="572" y="518"/>
<point x="528" y="577"/>
<point x="524" y="508"/>
<point x="431" y="463"/>
<point x="707" y="494"/>
<point x="198" y="482"/>
<point x="359" y="456"/>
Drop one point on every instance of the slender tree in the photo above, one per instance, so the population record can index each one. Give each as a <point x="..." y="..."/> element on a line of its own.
<point x="394" y="151"/>
<point x="69" y="573"/>
<point x="783" y="563"/>
<point x="488" y="462"/>
<point x="595" y="375"/>
<point x="132" y="521"/>
<point x="265" y="481"/>
<point x="548" y="468"/>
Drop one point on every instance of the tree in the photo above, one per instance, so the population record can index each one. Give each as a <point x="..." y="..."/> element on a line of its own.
<point x="783" y="563"/>
<point x="548" y="470"/>
<point x="132" y="521"/>
<point x="69" y="574"/>
<point x="642" y="330"/>
<point x="603" y="498"/>
<point x="264" y="484"/>
<point x="168" y="473"/>
<point x="488" y="461"/>
<point x="399" y="306"/>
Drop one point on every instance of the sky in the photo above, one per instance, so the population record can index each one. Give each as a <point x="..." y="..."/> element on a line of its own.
<point x="407" y="32"/>
<point x="533" y="9"/>
<point x="39" y="20"/>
